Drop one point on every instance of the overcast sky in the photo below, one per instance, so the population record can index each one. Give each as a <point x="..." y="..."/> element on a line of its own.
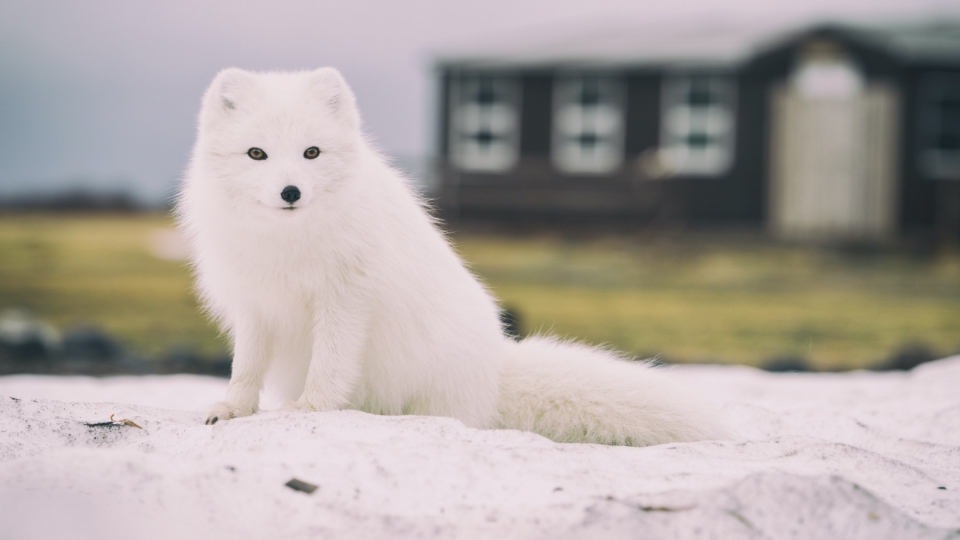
<point x="104" y="93"/>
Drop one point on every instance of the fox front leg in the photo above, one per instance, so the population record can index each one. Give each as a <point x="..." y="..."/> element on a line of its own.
<point x="251" y="358"/>
<point x="340" y="331"/>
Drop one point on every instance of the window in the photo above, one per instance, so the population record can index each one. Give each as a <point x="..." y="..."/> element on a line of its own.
<point x="484" y="123"/>
<point x="587" y="125"/>
<point x="939" y="124"/>
<point x="697" y="125"/>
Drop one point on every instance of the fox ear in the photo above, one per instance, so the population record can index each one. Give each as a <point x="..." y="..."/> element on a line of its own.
<point x="227" y="89"/>
<point x="330" y="86"/>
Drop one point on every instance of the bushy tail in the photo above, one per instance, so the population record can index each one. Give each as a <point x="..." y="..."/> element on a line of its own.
<point x="570" y="392"/>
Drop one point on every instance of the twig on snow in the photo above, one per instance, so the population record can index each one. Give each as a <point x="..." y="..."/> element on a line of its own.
<point x="113" y="423"/>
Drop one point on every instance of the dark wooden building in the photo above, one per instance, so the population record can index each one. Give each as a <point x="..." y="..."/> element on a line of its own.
<point x="831" y="132"/>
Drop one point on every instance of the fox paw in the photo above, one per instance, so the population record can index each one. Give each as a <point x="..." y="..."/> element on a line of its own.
<point x="304" y="404"/>
<point x="226" y="411"/>
<point x="294" y="406"/>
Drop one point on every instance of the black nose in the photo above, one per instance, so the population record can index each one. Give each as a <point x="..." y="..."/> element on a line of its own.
<point x="291" y="194"/>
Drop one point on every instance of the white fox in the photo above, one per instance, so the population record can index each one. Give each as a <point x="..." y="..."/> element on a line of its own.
<point x="338" y="289"/>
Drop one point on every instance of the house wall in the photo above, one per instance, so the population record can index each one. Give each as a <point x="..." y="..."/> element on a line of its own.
<point x="536" y="112"/>
<point x="534" y="190"/>
<point x="927" y="205"/>
<point x="738" y="194"/>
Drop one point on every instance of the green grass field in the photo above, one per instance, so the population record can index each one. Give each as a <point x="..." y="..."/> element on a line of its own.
<point x="99" y="270"/>
<point x="688" y="300"/>
<point x="731" y="302"/>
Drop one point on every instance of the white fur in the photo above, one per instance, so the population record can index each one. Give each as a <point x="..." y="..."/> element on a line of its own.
<point x="574" y="393"/>
<point x="355" y="299"/>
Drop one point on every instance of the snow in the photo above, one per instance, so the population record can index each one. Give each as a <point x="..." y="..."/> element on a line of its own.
<point x="847" y="455"/>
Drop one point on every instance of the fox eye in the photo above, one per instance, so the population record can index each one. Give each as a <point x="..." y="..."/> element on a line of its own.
<point x="257" y="154"/>
<point x="311" y="153"/>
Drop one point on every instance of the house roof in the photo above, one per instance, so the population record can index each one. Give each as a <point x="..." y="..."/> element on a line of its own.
<point x="925" y="41"/>
<point x="611" y="44"/>
<point x="710" y="44"/>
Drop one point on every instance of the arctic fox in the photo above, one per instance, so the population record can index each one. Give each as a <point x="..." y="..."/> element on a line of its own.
<point x="338" y="289"/>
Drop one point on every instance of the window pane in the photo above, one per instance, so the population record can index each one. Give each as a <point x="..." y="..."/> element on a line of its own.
<point x="940" y="126"/>
<point x="587" y="125"/>
<point x="484" y="123"/>
<point x="697" y="124"/>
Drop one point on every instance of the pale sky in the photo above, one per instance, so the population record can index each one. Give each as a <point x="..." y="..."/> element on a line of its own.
<point x="104" y="94"/>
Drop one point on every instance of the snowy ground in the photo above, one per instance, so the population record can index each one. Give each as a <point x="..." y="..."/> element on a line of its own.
<point x="854" y="455"/>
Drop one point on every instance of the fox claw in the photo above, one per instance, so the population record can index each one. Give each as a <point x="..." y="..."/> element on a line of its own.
<point x="226" y="411"/>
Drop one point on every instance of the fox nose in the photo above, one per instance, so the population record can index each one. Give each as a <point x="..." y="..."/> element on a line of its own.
<point x="291" y="194"/>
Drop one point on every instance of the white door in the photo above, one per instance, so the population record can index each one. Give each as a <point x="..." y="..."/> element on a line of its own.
<point x="833" y="163"/>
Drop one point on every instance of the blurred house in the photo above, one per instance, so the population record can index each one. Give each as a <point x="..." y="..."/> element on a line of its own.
<point x="829" y="133"/>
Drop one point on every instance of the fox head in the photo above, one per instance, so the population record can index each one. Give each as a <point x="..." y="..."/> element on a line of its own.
<point x="276" y="142"/>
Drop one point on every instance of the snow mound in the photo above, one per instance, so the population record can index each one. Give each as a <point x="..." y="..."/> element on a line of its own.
<point x="853" y="455"/>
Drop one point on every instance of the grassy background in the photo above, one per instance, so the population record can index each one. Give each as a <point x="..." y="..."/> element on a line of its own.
<point x="686" y="299"/>
<point x="743" y="302"/>
<point x="98" y="270"/>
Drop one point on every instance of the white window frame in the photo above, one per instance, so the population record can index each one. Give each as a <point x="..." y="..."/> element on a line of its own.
<point x="588" y="124"/>
<point x="484" y="125"/>
<point x="937" y="162"/>
<point x="713" y="122"/>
